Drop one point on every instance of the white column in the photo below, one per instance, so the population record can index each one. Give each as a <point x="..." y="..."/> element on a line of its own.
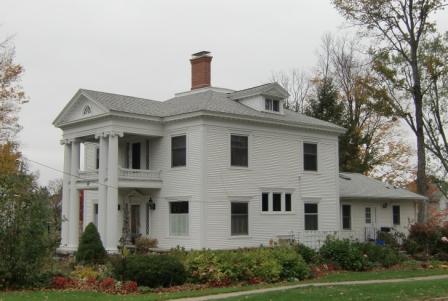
<point x="102" y="189"/>
<point x="113" y="234"/>
<point x="74" y="197"/>
<point x="65" y="196"/>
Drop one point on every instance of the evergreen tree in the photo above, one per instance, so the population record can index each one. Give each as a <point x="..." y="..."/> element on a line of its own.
<point x="325" y="105"/>
<point x="90" y="250"/>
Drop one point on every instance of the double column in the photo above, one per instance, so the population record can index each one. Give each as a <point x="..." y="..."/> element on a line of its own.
<point x="108" y="190"/>
<point x="70" y="196"/>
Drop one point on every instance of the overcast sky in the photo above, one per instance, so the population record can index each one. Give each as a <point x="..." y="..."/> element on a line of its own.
<point x="142" y="48"/>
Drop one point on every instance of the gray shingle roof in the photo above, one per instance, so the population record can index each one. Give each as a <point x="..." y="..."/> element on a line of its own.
<point x="208" y="100"/>
<point x="358" y="186"/>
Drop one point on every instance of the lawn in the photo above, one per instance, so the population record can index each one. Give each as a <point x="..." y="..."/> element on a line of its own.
<point x="420" y="290"/>
<point x="406" y="272"/>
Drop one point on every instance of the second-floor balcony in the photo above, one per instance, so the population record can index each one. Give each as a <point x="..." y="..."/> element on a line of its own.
<point x="127" y="178"/>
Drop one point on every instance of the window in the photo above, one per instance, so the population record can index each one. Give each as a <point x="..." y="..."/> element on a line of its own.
<point x="346" y="217"/>
<point x="277" y="201"/>
<point x="239" y="218"/>
<point x="179" y="218"/>
<point x="239" y="150"/>
<point x="95" y="214"/>
<point x="272" y="105"/>
<point x="311" y="222"/>
<point x="368" y="214"/>
<point x="97" y="163"/>
<point x="396" y="214"/>
<point x="178" y="151"/>
<point x="136" y="152"/>
<point x="310" y="156"/>
<point x="265" y="201"/>
<point x="87" y="110"/>
<point x="287" y="202"/>
<point x="281" y="202"/>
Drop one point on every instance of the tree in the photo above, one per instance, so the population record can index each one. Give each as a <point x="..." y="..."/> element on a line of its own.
<point x="11" y="93"/>
<point x="435" y="110"/>
<point x="325" y="104"/>
<point x="24" y="243"/>
<point x="54" y="189"/>
<point x="297" y="84"/>
<point x="90" y="250"/>
<point x="400" y="28"/>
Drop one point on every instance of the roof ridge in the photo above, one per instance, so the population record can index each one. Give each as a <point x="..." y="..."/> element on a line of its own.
<point x="252" y="87"/>
<point x="116" y="94"/>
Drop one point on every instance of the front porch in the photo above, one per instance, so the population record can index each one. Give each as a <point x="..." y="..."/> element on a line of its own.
<point x="114" y="163"/>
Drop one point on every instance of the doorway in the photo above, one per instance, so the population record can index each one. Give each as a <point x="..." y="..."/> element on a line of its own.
<point x="135" y="221"/>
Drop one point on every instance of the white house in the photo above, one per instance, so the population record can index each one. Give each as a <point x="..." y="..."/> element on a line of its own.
<point x="209" y="168"/>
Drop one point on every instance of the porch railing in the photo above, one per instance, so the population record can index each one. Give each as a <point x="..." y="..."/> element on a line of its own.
<point x="139" y="174"/>
<point x="88" y="175"/>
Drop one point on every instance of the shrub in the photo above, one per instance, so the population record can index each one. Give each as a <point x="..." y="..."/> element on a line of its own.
<point x="151" y="270"/>
<point x="143" y="244"/>
<point x="90" y="250"/>
<point x="220" y="268"/>
<point x="308" y="254"/>
<point x="393" y="240"/>
<point x="381" y="255"/>
<point x="293" y="265"/>
<point x="84" y="272"/>
<point x="346" y="254"/>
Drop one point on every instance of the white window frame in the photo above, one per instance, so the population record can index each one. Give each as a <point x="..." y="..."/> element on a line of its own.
<point x="342" y="217"/>
<point x="171" y="150"/>
<point x="178" y="234"/>
<point x="230" y="219"/>
<point x="229" y="149"/>
<point x="269" y="105"/>
<point x="316" y="214"/>
<point x="282" y="192"/>
<point x="368" y="219"/>
<point x="317" y="156"/>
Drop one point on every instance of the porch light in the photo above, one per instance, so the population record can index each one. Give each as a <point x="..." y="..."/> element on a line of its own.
<point x="385" y="205"/>
<point x="151" y="204"/>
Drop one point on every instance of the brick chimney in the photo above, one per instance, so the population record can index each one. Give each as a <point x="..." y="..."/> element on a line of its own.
<point x="200" y="70"/>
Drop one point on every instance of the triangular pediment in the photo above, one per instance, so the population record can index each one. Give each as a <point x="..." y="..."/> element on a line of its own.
<point x="80" y="107"/>
<point x="276" y="91"/>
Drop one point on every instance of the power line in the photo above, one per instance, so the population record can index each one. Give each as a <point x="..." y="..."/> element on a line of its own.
<point x="66" y="173"/>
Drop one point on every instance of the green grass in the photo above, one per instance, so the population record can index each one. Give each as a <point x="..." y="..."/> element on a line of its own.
<point x="405" y="272"/>
<point x="395" y="291"/>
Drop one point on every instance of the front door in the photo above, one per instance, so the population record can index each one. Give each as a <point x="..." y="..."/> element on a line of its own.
<point x="370" y="221"/>
<point x="135" y="220"/>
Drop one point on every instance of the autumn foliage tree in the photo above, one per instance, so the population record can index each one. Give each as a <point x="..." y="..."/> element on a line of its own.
<point x="399" y="30"/>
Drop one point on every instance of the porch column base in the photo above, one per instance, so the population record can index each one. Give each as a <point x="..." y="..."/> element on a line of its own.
<point x="66" y="250"/>
<point x="112" y="251"/>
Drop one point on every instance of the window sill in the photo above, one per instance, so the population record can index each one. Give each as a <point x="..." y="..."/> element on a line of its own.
<point x="311" y="172"/>
<point x="239" y="168"/>
<point x="178" y="168"/>
<point x="240" y="237"/>
<point x="278" y="213"/>
<point x="178" y="237"/>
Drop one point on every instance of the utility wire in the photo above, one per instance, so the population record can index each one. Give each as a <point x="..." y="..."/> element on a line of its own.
<point x="66" y="173"/>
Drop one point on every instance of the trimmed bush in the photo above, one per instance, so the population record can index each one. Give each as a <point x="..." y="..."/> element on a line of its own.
<point x="152" y="270"/>
<point x="309" y="255"/>
<point x="346" y="254"/>
<point x="90" y="250"/>
<point x="293" y="265"/>
<point x="249" y="265"/>
<point x="381" y="255"/>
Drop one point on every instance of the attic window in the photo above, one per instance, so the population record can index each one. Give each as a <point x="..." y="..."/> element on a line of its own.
<point x="87" y="110"/>
<point x="272" y="105"/>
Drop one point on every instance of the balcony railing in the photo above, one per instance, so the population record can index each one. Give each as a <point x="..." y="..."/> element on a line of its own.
<point x="139" y="174"/>
<point x="88" y="175"/>
<point x="126" y="178"/>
